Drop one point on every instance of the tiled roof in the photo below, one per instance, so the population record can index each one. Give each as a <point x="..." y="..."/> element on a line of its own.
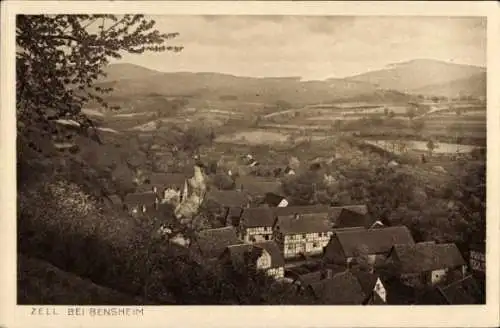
<point x="212" y="242"/>
<point x="310" y="209"/>
<point x="230" y="198"/>
<point x="375" y="241"/>
<point x="303" y="223"/>
<point x="237" y="253"/>
<point x="366" y="280"/>
<point x="273" y="199"/>
<point x="336" y="211"/>
<point x="342" y="289"/>
<point x="272" y="248"/>
<point x="423" y="257"/>
<point x="144" y="198"/>
<point x="348" y="218"/>
<point x="257" y="217"/>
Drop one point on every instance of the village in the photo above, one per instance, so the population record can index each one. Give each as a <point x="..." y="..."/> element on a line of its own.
<point x="338" y="255"/>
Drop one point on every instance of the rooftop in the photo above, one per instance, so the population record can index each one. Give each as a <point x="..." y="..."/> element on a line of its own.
<point x="303" y="223"/>
<point x="423" y="257"/>
<point x="230" y="198"/>
<point x="253" y="217"/>
<point x="373" y="241"/>
<point x="212" y="242"/>
<point x="342" y="289"/>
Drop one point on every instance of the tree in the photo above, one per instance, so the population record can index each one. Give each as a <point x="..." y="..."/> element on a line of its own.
<point x="431" y="146"/>
<point x="391" y="114"/>
<point x="60" y="57"/>
<point x="411" y="113"/>
<point x="386" y="111"/>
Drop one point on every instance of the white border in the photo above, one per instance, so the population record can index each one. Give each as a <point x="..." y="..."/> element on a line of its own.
<point x="269" y="316"/>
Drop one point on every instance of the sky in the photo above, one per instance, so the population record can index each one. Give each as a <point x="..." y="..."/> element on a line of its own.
<point x="313" y="47"/>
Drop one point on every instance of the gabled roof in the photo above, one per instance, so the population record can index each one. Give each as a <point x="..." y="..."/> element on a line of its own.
<point x="143" y="198"/>
<point x="291" y="210"/>
<point x="273" y="199"/>
<point x="303" y="223"/>
<point x="367" y="281"/>
<point x="212" y="242"/>
<point x="464" y="291"/>
<point x="257" y="217"/>
<point x="374" y="241"/>
<point x="272" y="248"/>
<point x="229" y="198"/>
<point x="423" y="257"/>
<point x="349" y="218"/>
<point x="342" y="289"/>
<point x="337" y="210"/>
<point x="238" y="253"/>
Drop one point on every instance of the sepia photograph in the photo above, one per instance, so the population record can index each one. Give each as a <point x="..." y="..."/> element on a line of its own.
<point x="237" y="159"/>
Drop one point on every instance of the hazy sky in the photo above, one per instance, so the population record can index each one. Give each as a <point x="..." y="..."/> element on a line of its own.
<point x="313" y="47"/>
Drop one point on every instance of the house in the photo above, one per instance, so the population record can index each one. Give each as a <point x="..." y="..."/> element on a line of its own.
<point x="375" y="244"/>
<point x="264" y="256"/>
<point x="275" y="200"/>
<point x="373" y="288"/>
<point x="138" y="203"/>
<point x="366" y="288"/>
<point x="343" y="288"/>
<point x="166" y="185"/>
<point x="226" y="203"/>
<point x="210" y="243"/>
<point x="302" y="234"/>
<point x="289" y="171"/>
<point x="425" y="264"/>
<point x="349" y="219"/>
<point x="460" y="292"/>
<point x="337" y="210"/>
<point x="256" y="224"/>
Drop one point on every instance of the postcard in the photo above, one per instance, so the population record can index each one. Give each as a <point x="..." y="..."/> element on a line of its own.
<point x="227" y="164"/>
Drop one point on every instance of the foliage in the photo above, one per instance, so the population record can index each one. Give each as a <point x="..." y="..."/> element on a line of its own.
<point x="59" y="58"/>
<point x="223" y="181"/>
<point x="433" y="210"/>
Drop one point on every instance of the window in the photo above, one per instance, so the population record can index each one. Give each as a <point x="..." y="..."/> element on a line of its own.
<point x="315" y="245"/>
<point x="304" y="236"/>
<point x="266" y="237"/>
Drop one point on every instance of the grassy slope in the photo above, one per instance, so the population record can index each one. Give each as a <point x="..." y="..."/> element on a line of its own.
<point x="40" y="282"/>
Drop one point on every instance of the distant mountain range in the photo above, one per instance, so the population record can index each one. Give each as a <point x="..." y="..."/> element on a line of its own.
<point x="428" y="77"/>
<point x="395" y="84"/>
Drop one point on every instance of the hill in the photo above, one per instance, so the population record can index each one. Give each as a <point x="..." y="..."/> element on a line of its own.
<point x="415" y="75"/>
<point x="474" y="85"/>
<point x="127" y="71"/>
<point x="224" y="87"/>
